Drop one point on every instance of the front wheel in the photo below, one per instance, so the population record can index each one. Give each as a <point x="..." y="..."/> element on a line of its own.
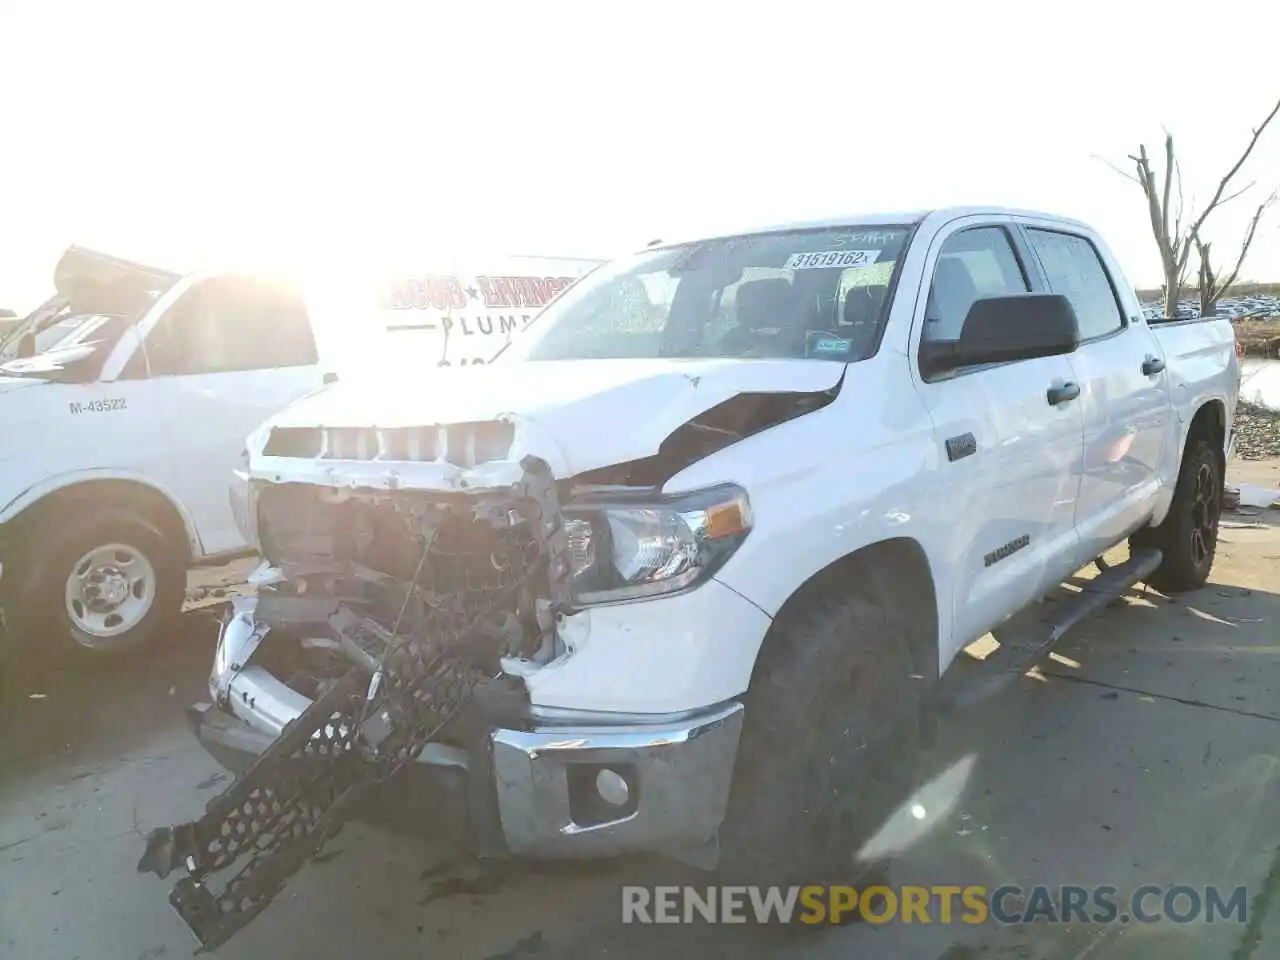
<point x="1188" y="537"/>
<point x="831" y="730"/>
<point x="101" y="583"/>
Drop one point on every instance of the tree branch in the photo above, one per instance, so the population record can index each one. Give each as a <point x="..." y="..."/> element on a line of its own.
<point x="1168" y="182"/>
<point x="1227" y="199"/>
<point x="1127" y="176"/>
<point x="1177" y="221"/>
<point x="1220" y="289"/>
<point x="1226" y="180"/>
<point x="1147" y="180"/>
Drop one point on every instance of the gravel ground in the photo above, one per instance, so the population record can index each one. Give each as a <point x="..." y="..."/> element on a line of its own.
<point x="1258" y="432"/>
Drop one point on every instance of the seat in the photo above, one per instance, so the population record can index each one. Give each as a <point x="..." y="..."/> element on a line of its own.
<point x="766" y="318"/>
<point x="860" y="318"/>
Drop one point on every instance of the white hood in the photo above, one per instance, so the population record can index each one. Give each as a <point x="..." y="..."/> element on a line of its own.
<point x="596" y="413"/>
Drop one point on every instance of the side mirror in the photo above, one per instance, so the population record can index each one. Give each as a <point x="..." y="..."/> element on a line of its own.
<point x="1018" y="326"/>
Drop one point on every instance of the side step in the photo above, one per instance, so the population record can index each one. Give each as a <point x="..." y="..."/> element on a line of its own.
<point x="978" y="680"/>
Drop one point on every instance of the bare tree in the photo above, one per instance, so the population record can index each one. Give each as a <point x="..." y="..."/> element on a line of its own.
<point x="1177" y="234"/>
<point x="1212" y="287"/>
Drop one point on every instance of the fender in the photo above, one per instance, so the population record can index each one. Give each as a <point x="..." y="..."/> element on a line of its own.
<point x="853" y="475"/>
<point x="1182" y="425"/>
<point x="51" y="484"/>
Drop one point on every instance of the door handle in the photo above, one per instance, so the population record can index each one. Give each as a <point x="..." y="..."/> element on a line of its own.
<point x="1151" y="366"/>
<point x="329" y="378"/>
<point x="1062" y="393"/>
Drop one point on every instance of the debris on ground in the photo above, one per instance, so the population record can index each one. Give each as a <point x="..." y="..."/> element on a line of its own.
<point x="1257" y="432"/>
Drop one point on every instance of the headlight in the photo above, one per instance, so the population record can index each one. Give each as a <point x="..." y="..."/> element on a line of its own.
<point x="622" y="548"/>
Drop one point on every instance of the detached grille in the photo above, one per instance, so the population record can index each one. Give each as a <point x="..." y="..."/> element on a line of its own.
<point x="461" y="444"/>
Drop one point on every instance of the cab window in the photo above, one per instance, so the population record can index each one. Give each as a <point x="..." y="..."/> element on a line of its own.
<point x="1075" y="270"/>
<point x="228" y="324"/>
<point x="972" y="264"/>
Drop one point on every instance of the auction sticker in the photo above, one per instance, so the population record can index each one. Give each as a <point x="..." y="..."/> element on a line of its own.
<point x="825" y="259"/>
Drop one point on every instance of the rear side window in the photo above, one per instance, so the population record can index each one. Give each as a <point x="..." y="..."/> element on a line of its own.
<point x="972" y="264"/>
<point x="224" y="325"/>
<point x="1075" y="270"/>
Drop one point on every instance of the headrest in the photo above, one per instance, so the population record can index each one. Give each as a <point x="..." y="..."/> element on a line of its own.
<point x="863" y="304"/>
<point x="952" y="280"/>
<point x="950" y="297"/>
<point x="765" y="303"/>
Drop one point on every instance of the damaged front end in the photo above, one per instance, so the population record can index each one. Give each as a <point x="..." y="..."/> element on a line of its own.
<point x="407" y="602"/>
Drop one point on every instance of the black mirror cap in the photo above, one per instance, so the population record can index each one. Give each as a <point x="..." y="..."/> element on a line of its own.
<point x="1019" y="326"/>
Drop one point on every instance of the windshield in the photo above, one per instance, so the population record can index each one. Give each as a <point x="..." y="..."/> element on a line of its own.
<point x="821" y="294"/>
<point x="72" y="350"/>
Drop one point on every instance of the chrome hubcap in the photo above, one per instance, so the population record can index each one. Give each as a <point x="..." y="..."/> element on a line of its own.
<point x="109" y="592"/>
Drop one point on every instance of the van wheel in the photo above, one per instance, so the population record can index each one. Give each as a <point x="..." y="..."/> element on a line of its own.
<point x="830" y="735"/>
<point x="1188" y="537"/>
<point x="103" y="583"/>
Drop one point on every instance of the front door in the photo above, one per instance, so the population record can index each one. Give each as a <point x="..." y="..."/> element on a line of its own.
<point x="228" y="354"/>
<point x="1010" y="456"/>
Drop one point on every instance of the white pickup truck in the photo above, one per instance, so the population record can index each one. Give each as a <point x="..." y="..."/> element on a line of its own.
<point x="126" y="398"/>
<point x="129" y="400"/>
<point x="684" y="568"/>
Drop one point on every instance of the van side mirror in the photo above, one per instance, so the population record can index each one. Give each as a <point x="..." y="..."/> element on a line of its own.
<point x="1018" y="326"/>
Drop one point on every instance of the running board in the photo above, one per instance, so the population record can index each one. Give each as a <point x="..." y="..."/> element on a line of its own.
<point x="976" y="680"/>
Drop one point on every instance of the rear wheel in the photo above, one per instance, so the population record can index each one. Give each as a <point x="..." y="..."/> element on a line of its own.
<point x="1188" y="537"/>
<point x="102" y="582"/>
<point x="831" y="730"/>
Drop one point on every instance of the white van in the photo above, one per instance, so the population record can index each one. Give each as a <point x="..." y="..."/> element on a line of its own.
<point x="126" y="398"/>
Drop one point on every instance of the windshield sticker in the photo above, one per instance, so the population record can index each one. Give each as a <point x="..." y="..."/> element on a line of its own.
<point x="825" y="345"/>
<point x="827" y="259"/>
<point x="880" y="238"/>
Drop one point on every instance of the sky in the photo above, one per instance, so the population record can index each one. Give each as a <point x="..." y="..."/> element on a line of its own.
<point x="190" y="134"/>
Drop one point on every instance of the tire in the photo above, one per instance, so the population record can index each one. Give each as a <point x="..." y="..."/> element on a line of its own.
<point x="831" y="732"/>
<point x="1188" y="537"/>
<point x="103" y="581"/>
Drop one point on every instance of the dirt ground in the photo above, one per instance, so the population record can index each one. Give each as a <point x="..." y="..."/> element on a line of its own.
<point x="1143" y="752"/>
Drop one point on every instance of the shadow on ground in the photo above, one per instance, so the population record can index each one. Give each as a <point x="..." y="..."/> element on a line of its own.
<point x="56" y="710"/>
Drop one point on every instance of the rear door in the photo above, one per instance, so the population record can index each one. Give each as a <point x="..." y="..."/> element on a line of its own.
<point x="1124" y="396"/>
<point x="1011" y="457"/>
<point x="229" y="353"/>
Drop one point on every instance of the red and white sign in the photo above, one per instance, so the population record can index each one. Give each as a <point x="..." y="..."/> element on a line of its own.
<point x="476" y="312"/>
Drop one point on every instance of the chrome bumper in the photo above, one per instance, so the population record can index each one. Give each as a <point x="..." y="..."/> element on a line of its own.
<point x="543" y="777"/>
<point x="677" y="774"/>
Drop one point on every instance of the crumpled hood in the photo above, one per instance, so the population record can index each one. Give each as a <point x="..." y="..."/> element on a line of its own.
<point x="596" y="412"/>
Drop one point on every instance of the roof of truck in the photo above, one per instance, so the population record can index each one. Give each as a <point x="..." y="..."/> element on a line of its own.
<point x="873" y="219"/>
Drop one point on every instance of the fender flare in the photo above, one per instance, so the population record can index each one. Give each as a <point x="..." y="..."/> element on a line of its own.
<point x="49" y="485"/>
<point x="1182" y="430"/>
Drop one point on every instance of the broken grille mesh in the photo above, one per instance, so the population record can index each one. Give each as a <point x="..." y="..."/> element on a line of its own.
<point x="456" y="616"/>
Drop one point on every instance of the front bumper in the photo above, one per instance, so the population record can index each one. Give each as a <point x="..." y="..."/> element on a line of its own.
<point x="523" y="785"/>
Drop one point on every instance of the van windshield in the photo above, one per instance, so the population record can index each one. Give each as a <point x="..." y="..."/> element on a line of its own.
<point x="820" y="294"/>
<point x="71" y="350"/>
